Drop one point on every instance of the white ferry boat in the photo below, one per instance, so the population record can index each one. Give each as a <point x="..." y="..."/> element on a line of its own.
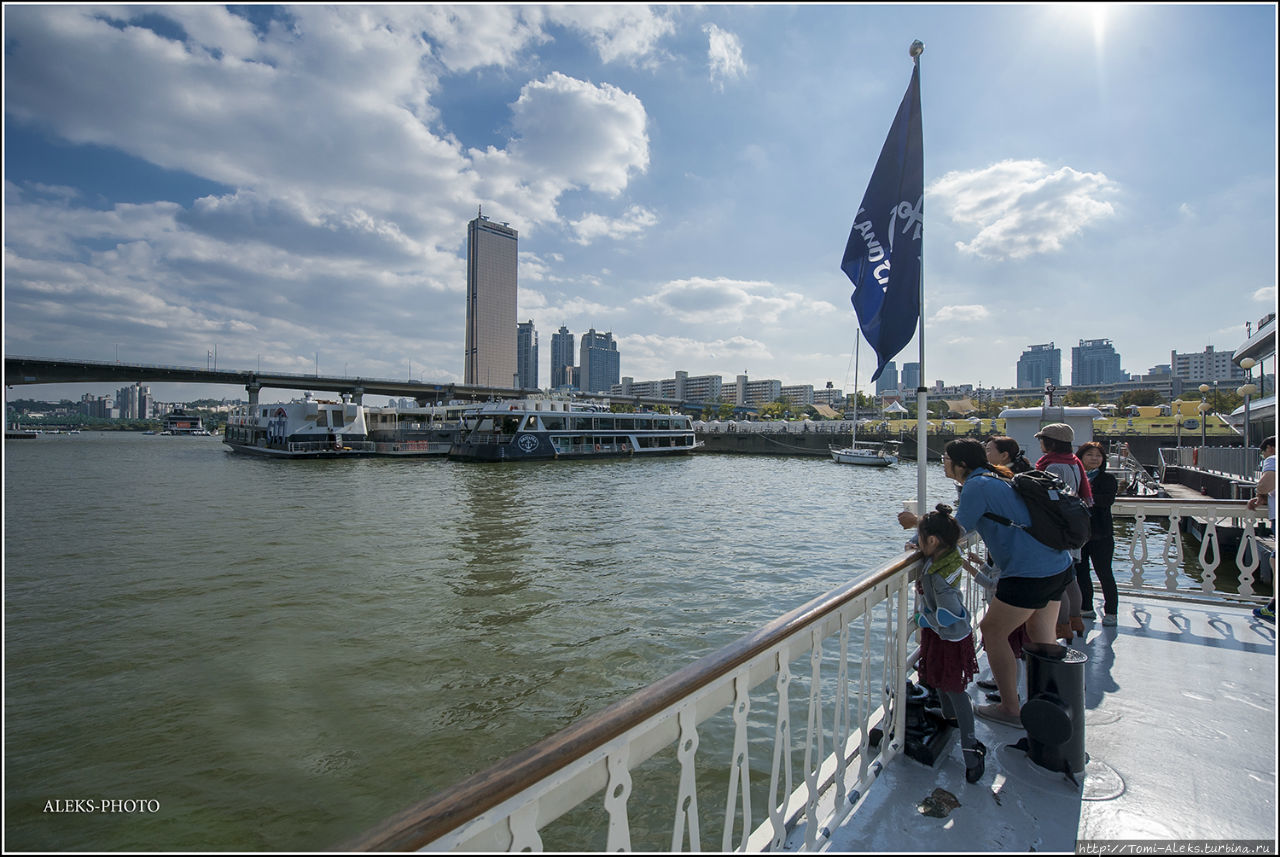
<point x="303" y="428"/>
<point x="532" y="429"/>
<point x="179" y="422"/>
<point x="415" y="431"/>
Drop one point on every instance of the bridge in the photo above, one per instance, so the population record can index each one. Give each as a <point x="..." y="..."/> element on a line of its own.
<point x="20" y="371"/>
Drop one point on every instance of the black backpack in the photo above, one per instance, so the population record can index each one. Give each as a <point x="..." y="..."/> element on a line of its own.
<point x="1059" y="518"/>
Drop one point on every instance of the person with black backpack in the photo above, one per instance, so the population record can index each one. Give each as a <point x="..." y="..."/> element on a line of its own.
<point x="1056" y="442"/>
<point x="1033" y="575"/>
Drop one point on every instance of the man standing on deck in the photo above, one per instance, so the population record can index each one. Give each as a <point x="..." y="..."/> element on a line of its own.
<point x="1267" y="488"/>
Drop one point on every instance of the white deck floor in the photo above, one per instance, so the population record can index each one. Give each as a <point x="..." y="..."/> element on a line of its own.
<point x="1180" y="731"/>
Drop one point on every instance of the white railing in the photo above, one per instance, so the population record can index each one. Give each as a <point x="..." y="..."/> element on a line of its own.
<point x="1227" y="460"/>
<point x="1223" y="521"/>
<point x="842" y="659"/>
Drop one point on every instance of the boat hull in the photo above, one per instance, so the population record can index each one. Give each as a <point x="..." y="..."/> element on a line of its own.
<point x="540" y="446"/>
<point x="276" y="452"/>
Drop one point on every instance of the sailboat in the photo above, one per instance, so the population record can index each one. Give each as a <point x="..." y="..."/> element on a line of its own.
<point x="870" y="454"/>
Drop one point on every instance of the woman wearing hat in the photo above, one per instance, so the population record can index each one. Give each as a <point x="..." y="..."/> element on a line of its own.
<point x="1057" y="444"/>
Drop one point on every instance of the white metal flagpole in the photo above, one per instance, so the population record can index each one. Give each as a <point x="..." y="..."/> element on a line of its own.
<point x="922" y="392"/>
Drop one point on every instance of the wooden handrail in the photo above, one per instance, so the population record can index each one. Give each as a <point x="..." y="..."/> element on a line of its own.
<point x="435" y="816"/>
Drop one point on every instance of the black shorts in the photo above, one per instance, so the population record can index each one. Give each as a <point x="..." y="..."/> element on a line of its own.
<point x="1032" y="593"/>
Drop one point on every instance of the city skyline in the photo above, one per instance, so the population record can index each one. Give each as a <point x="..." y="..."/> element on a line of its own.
<point x="290" y="185"/>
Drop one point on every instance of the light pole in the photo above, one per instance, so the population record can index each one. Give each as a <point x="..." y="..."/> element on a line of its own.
<point x="1204" y="412"/>
<point x="1246" y="390"/>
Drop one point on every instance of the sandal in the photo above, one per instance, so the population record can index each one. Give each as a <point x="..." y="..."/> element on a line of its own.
<point x="996" y="714"/>
<point x="974" y="770"/>
<point x="1063" y="631"/>
<point x="1077" y="625"/>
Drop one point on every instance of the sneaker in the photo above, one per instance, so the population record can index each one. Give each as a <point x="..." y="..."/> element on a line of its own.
<point x="1266" y="614"/>
<point x="1088" y="614"/>
<point x="1109" y="620"/>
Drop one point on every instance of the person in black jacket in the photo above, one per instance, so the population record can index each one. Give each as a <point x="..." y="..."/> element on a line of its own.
<point x="1102" y="542"/>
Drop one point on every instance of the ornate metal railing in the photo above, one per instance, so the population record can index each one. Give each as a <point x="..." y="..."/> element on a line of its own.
<point x="1218" y="523"/>
<point x="711" y="723"/>
<point x="850" y="651"/>
<point x="1227" y="460"/>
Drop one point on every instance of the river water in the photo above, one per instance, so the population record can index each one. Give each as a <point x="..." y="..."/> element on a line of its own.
<point x="275" y="655"/>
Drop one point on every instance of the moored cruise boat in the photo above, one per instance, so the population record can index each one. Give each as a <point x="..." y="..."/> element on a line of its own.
<point x="532" y="429"/>
<point x="415" y="431"/>
<point x="179" y="422"/>
<point x="303" y="428"/>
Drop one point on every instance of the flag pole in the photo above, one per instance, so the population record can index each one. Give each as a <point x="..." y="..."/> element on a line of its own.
<point x="922" y="392"/>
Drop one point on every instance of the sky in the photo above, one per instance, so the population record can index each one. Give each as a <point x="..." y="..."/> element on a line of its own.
<point x="289" y="186"/>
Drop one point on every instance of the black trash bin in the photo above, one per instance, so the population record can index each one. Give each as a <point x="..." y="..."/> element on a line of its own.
<point x="1053" y="714"/>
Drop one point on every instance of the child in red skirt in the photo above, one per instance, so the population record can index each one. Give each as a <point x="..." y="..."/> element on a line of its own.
<point x="947" y="659"/>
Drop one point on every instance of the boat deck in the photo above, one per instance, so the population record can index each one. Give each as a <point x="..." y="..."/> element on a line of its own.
<point x="1172" y="675"/>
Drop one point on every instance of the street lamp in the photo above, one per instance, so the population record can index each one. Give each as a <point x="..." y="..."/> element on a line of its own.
<point x="1204" y="412"/>
<point x="1246" y="390"/>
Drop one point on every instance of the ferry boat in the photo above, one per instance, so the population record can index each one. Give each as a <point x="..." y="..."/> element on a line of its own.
<point x="303" y="428"/>
<point x="416" y="430"/>
<point x="179" y="422"/>
<point x="533" y="429"/>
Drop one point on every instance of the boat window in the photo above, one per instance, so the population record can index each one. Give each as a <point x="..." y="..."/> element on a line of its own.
<point x="510" y="425"/>
<point x="581" y="423"/>
<point x="531" y="424"/>
<point x="662" y="424"/>
<point x="322" y="418"/>
<point x="604" y="422"/>
<point x="485" y="424"/>
<point x="553" y="423"/>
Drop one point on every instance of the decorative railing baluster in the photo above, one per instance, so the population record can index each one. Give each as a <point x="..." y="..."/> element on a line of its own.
<point x="864" y="694"/>
<point x="1138" y="549"/>
<point x="1211" y="551"/>
<point x="780" y="773"/>
<point x="842" y="728"/>
<point x="1248" y="547"/>
<point x="615" y="801"/>
<point x="687" y="796"/>
<point x="739" y="770"/>
<point x="1171" y="552"/>
<point x="813" y="743"/>
<point x="523" y="825"/>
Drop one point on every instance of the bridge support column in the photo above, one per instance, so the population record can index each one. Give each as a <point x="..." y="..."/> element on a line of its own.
<point x="253" y="393"/>
<point x="357" y="395"/>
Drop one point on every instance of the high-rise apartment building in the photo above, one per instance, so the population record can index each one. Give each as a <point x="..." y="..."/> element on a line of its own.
<point x="527" y="356"/>
<point x="1038" y="364"/>
<point x="490" y="356"/>
<point x="598" y="364"/>
<point x="1095" y="362"/>
<point x="888" y="380"/>
<point x="910" y="376"/>
<point x="1200" y="367"/>
<point x="561" y="358"/>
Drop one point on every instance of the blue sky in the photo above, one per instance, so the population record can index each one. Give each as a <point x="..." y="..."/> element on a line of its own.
<point x="291" y="184"/>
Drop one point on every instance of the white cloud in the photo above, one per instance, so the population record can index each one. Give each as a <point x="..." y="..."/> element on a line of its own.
<point x="654" y="357"/>
<point x="1266" y="294"/>
<point x="636" y="219"/>
<point x="619" y="32"/>
<point x="724" y="55"/>
<point x="700" y="300"/>
<point x="962" y="313"/>
<point x="1022" y="208"/>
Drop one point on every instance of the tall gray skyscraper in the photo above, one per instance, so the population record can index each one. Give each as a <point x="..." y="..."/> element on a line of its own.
<point x="561" y="358"/>
<point x="598" y="364"/>
<point x="1095" y="362"/>
<point x="527" y="356"/>
<point x="888" y="380"/>
<point x="490" y="356"/>
<point x="1040" y="363"/>
<point x="910" y="376"/>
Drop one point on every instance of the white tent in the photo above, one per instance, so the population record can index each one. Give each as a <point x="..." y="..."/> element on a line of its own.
<point x="895" y="408"/>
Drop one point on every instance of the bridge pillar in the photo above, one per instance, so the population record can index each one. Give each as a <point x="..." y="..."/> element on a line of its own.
<point x="357" y="395"/>
<point x="253" y="393"/>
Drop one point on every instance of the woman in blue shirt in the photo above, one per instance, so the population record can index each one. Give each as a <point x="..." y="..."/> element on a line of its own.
<point x="1032" y="579"/>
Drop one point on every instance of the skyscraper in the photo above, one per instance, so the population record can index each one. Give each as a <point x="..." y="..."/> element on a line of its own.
<point x="598" y="364"/>
<point x="910" y="376"/>
<point x="1095" y="362"/>
<point x="1040" y="363"/>
<point x="490" y="356"/>
<point x="561" y="358"/>
<point x="527" y="356"/>
<point x="888" y="380"/>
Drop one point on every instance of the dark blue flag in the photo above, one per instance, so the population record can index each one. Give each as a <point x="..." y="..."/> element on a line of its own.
<point x="882" y="257"/>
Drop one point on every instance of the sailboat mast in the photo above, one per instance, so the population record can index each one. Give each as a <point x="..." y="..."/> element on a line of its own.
<point x="857" y="341"/>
